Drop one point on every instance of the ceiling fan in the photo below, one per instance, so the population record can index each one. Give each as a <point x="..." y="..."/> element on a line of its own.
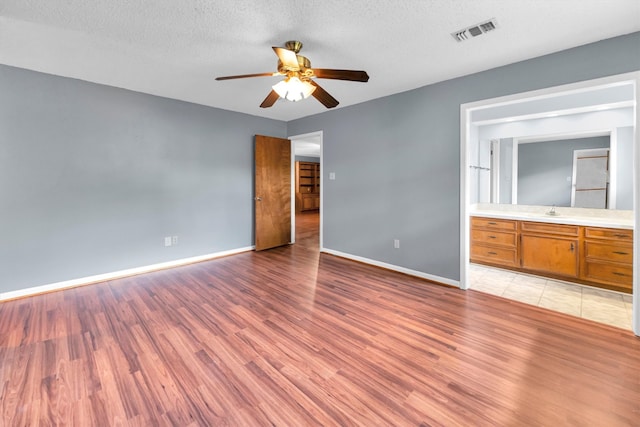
<point x="298" y="83"/>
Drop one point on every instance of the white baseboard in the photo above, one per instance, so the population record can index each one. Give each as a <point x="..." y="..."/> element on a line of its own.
<point x="20" y="293"/>
<point x="392" y="267"/>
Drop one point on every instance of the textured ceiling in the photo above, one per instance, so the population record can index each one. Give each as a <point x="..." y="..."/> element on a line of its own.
<point x="175" y="49"/>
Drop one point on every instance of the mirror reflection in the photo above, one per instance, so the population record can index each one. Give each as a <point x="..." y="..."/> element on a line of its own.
<point x="572" y="150"/>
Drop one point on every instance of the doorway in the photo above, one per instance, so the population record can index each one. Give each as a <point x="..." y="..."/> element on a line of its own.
<point x="307" y="148"/>
<point x="590" y="182"/>
<point x="545" y="96"/>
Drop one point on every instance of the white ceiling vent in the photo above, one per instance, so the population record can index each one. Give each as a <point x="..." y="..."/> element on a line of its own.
<point x="475" y="30"/>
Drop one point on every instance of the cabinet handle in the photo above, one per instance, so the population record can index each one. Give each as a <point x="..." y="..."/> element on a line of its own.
<point x="621" y="253"/>
<point x="624" y="236"/>
<point x="571" y="247"/>
<point x="619" y="274"/>
<point x="492" y="253"/>
<point x="492" y="237"/>
<point x="492" y="223"/>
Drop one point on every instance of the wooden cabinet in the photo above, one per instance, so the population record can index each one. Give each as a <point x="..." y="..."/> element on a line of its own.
<point x="307" y="186"/>
<point x="608" y="257"/>
<point x="549" y="248"/>
<point x="494" y="241"/>
<point x="595" y="256"/>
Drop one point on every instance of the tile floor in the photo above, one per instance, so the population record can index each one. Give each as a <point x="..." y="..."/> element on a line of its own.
<point x="600" y="305"/>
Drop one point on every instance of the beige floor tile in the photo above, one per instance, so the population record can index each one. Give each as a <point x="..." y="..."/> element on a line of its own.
<point x="500" y="274"/>
<point x="562" y="304"/>
<point x="562" y="297"/>
<point x="563" y="288"/>
<point x="530" y="280"/>
<point x="604" y="297"/>
<point x="523" y="293"/>
<point x="629" y="308"/>
<point x="496" y="282"/>
<point x="490" y="288"/>
<point x="628" y="304"/>
<point x="477" y="268"/>
<point x="613" y="318"/>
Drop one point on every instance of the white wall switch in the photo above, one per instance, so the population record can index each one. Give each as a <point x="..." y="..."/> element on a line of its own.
<point x="396" y="243"/>
<point x="167" y="241"/>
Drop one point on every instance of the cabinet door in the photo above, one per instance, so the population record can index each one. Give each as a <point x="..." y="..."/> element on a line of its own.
<point x="550" y="254"/>
<point x="307" y="202"/>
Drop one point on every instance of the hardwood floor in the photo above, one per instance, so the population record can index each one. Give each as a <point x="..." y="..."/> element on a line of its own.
<point x="290" y="337"/>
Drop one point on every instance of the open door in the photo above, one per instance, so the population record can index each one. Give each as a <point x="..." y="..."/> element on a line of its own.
<point x="273" y="192"/>
<point x="590" y="178"/>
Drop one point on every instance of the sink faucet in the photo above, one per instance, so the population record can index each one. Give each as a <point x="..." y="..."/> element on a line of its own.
<point x="552" y="211"/>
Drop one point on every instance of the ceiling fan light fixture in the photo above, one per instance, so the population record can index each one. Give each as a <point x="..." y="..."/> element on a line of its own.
<point x="294" y="89"/>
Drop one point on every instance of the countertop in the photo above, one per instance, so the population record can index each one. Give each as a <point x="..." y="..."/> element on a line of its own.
<point x="574" y="216"/>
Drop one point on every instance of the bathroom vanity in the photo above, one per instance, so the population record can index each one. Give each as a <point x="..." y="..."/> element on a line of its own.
<point x="595" y="250"/>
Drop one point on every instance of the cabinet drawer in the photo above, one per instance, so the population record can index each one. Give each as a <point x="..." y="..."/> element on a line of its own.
<point x="608" y="252"/>
<point x="619" y="234"/>
<point x="620" y="275"/>
<point x="494" y="237"/>
<point x="548" y="228"/>
<point x="494" y="255"/>
<point x="498" y="224"/>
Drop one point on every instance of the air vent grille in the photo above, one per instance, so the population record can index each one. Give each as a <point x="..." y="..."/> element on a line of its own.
<point x="475" y="30"/>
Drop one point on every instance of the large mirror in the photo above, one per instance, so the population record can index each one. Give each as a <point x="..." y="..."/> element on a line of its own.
<point x="573" y="150"/>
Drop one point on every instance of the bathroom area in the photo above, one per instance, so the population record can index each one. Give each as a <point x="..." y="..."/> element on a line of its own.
<point x="551" y="201"/>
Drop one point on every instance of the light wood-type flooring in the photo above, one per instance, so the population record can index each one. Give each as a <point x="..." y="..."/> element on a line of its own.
<point x="289" y="337"/>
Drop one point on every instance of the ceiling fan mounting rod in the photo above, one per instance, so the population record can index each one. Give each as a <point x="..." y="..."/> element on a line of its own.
<point x="293" y="45"/>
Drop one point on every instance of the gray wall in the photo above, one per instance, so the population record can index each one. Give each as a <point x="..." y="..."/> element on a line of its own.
<point x="543" y="169"/>
<point x="397" y="159"/>
<point x="93" y="177"/>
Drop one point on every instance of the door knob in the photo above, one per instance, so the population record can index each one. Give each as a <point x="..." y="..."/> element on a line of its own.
<point x="258" y="199"/>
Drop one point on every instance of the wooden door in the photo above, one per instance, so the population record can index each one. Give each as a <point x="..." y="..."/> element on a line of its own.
<point x="590" y="178"/>
<point x="273" y="192"/>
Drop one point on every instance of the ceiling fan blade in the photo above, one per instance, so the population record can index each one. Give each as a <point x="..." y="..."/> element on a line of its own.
<point x="287" y="57"/>
<point x="323" y="96"/>
<point x="270" y="99"/>
<point x="244" y="76"/>
<point x="351" y="75"/>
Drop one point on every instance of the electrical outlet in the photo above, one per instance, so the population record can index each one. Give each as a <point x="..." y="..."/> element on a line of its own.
<point x="167" y="241"/>
<point x="174" y="240"/>
<point x="396" y="243"/>
<point x="332" y="176"/>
